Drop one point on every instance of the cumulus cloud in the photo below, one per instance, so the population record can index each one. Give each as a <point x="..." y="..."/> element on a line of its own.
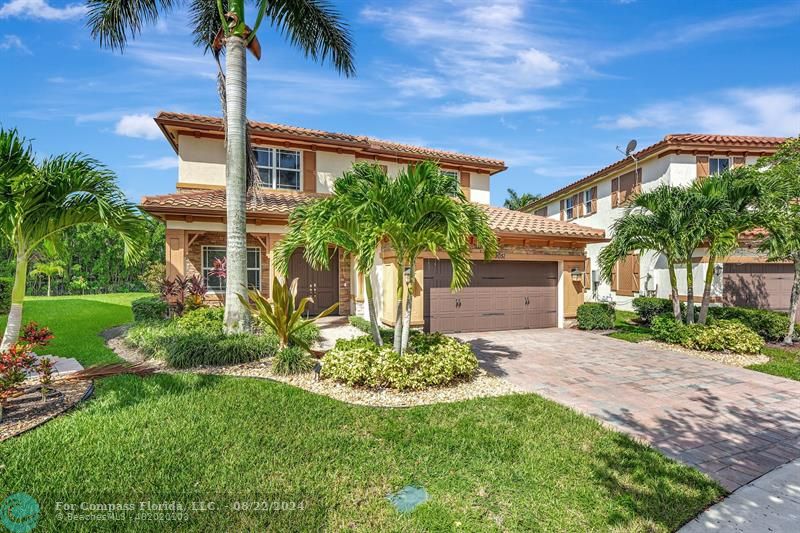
<point x="40" y="9"/>
<point x="160" y="163"/>
<point x="139" y="126"/>
<point x="13" y="42"/>
<point x="750" y="111"/>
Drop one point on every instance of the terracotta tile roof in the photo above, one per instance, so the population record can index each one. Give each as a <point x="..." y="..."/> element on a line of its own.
<point x="688" y="141"/>
<point x="359" y="142"/>
<point x="281" y="204"/>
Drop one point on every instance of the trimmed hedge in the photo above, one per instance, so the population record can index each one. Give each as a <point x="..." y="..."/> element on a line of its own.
<point x="771" y="325"/>
<point x="648" y="308"/>
<point x="202" y="318"/>
<point x="431" y="360"/>
<point x="595" y="315"/>
<point x="721" y="336"/>
<point x="149" y="308"/>
<point x="6" y="286"/>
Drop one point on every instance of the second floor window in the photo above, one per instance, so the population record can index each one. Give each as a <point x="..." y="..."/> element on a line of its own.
<point x="587" y="201"/>
<point x="569" y="208"/>
<point x="278" y="168"/>
<point x="718" y="165"/>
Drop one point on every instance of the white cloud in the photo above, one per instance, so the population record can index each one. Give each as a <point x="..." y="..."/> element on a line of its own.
<point x="160" y="163"/>
<point x="13" y="42"/>
<point x="140" y="126"/>
<point x="40" y="9"/>
<point x="500" y="106"/>
<point x="762" y="111"/>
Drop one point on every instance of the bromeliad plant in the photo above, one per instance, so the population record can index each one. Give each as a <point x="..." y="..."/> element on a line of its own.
<point x="281" y="314"/>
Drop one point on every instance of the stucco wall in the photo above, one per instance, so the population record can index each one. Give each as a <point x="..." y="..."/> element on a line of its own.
<point x="479" y="188"/>
<point x="201" y="161"/>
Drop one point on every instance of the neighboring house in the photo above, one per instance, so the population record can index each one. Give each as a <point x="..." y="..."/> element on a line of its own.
<point x="528" y="285"/>
<point x="743" y="278"/>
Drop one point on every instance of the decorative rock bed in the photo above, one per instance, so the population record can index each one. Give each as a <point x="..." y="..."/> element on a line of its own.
<point x="482" y="385"/>
<point x="732" y="359"/>
<point x="27" y="411"/>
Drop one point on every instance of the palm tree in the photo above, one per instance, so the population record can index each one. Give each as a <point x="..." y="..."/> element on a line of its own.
<point x="311" y="25"/>
<point x="654" y="221"/>
<point x="727" y="201"/>
<point x="337" y="221"/>
<point x="516" y="202"/>
<point x="49" y="269"/>
<point x="39" y="201"/>
<point x="423" y="209"/>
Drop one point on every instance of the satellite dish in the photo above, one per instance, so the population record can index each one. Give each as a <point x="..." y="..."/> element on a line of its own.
<point x="631" y="147"/>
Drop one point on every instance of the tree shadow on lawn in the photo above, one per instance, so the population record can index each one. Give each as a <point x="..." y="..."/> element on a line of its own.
<point x="731" y="443"/>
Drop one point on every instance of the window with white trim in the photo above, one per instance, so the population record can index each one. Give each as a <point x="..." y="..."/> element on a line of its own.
<point x="216" y="283"/>
<point x="278" y="168"/>
<point x="451" y="173"/>
<point x="569" y="207"/>
<point x="718" y="165"/>
<point x="587" y="201"/>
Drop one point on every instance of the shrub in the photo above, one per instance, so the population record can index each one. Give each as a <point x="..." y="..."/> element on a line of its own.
<point x="771" y="325"/>
<point x="649" y="308"/>
<point x="292" y="360"/>
<point x="6" y="285"/>
<point x="148" y="309"/>
<point x="204" y="318"/>
<point x="363" y="324"/>
<point x="595" y="315"/>
<point x="726" y="336"/>
<point x="666" y="329"/>
<point x="431" y="360"/>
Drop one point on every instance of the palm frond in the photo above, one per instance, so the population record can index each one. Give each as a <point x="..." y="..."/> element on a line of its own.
<point x="113" y="22"/>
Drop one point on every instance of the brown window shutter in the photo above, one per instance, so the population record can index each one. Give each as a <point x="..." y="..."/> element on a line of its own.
<point x="541" y="212"/>
<point x="702" y="166"/>
<point x="309" y="171"/>
<point x="577" y="206"/>
<point x="635" y="272"/>
<point x="464" y="177"/>
<point x="384" y="168"/>
<point x="563" y="215"/>
<point x="594" y="199"/>
<point x="615" y="192"/>
<point x="587" y="273"/>
<point x="614" y="273"/>
<point x="738" y="161"/>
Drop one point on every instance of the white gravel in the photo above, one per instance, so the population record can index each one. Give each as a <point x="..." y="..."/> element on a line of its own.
<point x="732" y="359"/>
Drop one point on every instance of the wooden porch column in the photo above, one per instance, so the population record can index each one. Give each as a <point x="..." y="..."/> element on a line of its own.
<point x="175" y="253"/>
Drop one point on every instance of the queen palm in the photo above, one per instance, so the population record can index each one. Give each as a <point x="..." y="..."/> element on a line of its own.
<point x="39" y="201"/>
<point x="311" y="25"/>
<point x="338" y="221"/>
<point x="48" y="269"/>
<point x="517" y="202"/>
<point x="655" y="221"/>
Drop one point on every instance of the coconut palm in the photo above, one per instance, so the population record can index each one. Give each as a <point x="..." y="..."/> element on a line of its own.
<point x="655" y="221"/>
<point x="726" y="208"/>
<point x="517" y="202"/>
<point x="39" y="201"/>
<point x="423" y="209"/>
<point x="48" y="269"/>
<point x="311" y="25"/>
<point x="337" y="221"/>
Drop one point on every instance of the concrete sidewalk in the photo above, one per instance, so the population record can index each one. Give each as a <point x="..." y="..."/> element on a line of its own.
<point x="769" y="503"/>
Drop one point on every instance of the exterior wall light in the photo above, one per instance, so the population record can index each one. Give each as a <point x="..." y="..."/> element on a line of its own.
<point x="576" y="273"/>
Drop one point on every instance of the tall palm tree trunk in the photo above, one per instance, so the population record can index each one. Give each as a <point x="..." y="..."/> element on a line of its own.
<point x="673" y="281"/>
<point x="794" y="299"/>
<point x="398" y="321"/>
<point x="373" y="315"/>
<point x="48" y="285"/>
<point x="689" y="291"/>
<point x="712" y="263"/>
<point x="14" y="323"/>
<point x="409" y="281"/>
<point x="236" y="315"/>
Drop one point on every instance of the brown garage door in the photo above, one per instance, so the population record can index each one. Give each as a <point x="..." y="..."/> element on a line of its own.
<point x="502" y="295"/>
<point x="761" y="285"/>
<point x="321" y="285"/>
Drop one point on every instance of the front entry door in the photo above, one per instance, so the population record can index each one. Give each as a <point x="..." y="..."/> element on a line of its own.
<point x="321" y="285"/>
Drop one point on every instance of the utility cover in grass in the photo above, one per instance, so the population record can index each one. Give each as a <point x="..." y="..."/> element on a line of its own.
<point x="408" y="498"/>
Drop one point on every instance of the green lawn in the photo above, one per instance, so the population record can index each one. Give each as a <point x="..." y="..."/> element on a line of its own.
<point x="628" y="330"/>
<point x="515" y="463"/>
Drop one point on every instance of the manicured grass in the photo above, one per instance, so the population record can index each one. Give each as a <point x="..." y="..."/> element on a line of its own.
<point x="514" y="463"/>
<point x="628" y="330"/>
<point x="784" y="363"/>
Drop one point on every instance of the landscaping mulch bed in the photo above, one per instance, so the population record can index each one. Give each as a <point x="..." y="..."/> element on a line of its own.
<point x="481" y="386"/>
<point x="732" y="359"/>
<point x="28" y="411"/>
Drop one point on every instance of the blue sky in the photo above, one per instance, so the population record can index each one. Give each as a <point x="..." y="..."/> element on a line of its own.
<point x="551" y="87"/>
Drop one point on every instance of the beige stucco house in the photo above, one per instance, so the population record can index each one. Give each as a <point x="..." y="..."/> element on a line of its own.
<point x="537" y="279"/>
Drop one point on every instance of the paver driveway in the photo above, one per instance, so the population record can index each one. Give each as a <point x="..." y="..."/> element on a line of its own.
<point x="734" y="424"/>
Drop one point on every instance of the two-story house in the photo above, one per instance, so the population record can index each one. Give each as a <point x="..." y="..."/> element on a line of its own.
<point x="535" y="281"/>
<point x="597" y="200"/>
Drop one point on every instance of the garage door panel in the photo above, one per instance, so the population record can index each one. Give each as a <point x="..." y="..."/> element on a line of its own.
<point x="759" y="285"/>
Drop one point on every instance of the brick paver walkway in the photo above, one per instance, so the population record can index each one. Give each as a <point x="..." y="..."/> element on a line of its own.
<point x="734" y="424"/>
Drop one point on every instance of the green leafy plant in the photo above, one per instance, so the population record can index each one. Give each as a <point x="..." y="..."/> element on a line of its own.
<point x="149" y="308"/>
<point x="649" y="308"/>
<point x="595" y="315"/>
<point x="6" y="284"/>
<point x="431" y="360"/>
<point x="280" y="314"/>
<point x="726" y="336"/>
<point x="292" y="360"/>
<point x="667" y="329"/>
<point x="204" y="318"/>
<point x="45" y="371"/>
<point x="364" y="325"/>
<point x="770" y="325"/>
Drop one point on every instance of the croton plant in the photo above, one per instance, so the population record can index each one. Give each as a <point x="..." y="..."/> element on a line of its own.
<point x="19" y="358"/>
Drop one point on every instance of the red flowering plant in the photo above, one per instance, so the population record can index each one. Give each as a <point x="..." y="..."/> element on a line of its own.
<point x="13" y="363"/>
<point x="33" y="335"/>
